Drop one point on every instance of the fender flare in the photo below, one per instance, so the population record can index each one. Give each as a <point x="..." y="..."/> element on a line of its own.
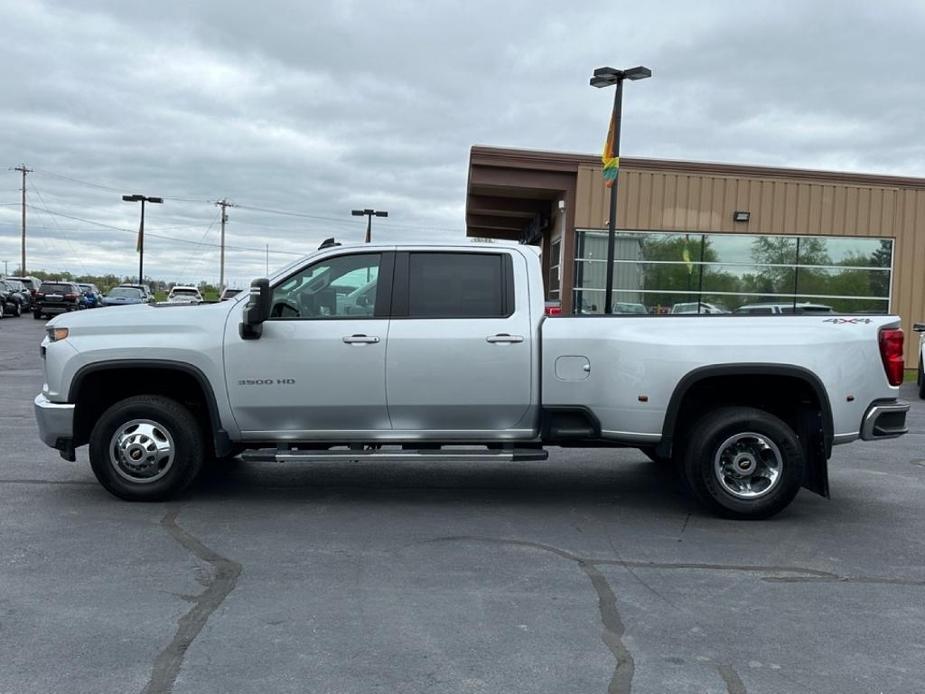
<point x="220" y="438"/>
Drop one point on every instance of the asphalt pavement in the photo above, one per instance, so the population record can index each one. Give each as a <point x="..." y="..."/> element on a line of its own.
<point x="589" y="572"/>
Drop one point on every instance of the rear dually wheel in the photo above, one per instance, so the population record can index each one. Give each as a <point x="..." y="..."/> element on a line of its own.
<point x="742" y="462"/>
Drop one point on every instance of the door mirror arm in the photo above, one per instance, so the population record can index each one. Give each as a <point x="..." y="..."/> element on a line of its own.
<point x="257" y="310"/>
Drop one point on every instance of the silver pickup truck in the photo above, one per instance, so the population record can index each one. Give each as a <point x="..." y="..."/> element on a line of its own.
<point x="444" y="352"/>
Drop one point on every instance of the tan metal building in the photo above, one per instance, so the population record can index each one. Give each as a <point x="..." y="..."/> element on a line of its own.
<point x="855" y="242"/>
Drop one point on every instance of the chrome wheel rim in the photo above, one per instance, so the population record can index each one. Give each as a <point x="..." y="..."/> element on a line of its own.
<point x="748" y="465"/>
<point x="141" y="451"/>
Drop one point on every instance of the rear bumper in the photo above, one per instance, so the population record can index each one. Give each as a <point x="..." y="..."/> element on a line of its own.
<point x="56" y="422"/>
<point x="885" y="420"/>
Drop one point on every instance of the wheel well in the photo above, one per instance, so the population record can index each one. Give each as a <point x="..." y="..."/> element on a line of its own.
<point x="795" y="399"/>
<point x="96" y="391"/>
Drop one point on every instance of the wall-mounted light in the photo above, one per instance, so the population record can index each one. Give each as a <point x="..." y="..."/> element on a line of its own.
<point x="741" y="216"/>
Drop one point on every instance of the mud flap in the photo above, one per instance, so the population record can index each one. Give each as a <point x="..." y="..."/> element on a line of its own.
<point x="812" y="435"/>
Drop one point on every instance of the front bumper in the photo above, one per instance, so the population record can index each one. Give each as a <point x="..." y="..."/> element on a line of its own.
<point x="885" y="420"/>
<point x="56" y="422"/>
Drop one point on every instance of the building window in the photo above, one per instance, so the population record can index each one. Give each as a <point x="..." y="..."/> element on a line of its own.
<point x="555" y="275"/>
<point x="665" y="272"/>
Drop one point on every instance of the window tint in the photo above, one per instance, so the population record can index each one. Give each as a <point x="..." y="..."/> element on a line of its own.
<point x="340" y="287"/>
<point x="457" y="285"/>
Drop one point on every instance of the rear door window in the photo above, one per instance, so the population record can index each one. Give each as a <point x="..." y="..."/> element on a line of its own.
<point x="458" y="285"/>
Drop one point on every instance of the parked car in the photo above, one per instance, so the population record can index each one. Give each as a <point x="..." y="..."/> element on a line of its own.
<point x="458" y="350"/>
<point x="769" y="309"/>
<point x="11" y="300"/>
<point x="228" y="293"/>
<point x="184" y="295"/>
<point x="18" y="299"/>
<point x="702" y="309"/>
<point x="124" y="295"/>
<point x="23" y="290"/>
<point x="90" y="296"/>
<point x="56" y="297"/>
<point x="31" y="284"/>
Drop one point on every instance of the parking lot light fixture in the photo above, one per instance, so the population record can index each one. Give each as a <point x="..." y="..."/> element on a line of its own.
<point x="369" y="213"/>
<point x="140" y="246"/>
<point x="605" y="77"/>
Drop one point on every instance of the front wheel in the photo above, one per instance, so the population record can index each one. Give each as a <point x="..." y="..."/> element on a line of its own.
<point x="37" y="315"/>
<point x="146" y="448"/>
<point x="744" y="463"/>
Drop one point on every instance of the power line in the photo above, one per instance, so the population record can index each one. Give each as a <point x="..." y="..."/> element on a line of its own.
<point x="159" y="236"/>
<point x="254" y="208"/>
<point x="110" y="188"/>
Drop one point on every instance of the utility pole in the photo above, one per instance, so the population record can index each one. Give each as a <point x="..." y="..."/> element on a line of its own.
<point x="223" y="203"/>
<point x="23" y="170"/>
<point x="6" y="267"/>
<point x="268" y="259"/>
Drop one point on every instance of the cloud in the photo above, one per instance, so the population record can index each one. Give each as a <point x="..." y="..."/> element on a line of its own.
<point x="324" y="106"/>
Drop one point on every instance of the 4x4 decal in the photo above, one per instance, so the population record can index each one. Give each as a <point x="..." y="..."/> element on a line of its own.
<point x="852" y="321"/>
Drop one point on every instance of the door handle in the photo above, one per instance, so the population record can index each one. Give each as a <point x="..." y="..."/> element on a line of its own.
<point x="504" y="338"/>
<point x="361" y="339"/>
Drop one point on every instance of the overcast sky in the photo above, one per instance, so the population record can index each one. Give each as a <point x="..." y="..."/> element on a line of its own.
<point x="317" y="108"/>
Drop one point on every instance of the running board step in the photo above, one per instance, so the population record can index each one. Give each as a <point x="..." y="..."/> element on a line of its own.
<point x="451" y="455"/>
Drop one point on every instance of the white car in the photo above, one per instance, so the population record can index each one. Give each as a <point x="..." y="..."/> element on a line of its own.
<point x="184" y="295"/>
<point x="783" y="309"/>
<point x="704" y="309"/>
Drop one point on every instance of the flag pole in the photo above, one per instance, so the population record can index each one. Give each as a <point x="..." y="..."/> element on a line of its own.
<point x="614" y="146"/>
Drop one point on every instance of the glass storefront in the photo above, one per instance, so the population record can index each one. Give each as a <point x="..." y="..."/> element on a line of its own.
<point x="670" y="272"/>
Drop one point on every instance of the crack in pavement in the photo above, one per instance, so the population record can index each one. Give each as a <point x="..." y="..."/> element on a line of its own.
<point x="734" y="683"/>
<point x="224" y="576"/>
<point x="622" y="679"/>
<point x="614" y="629"/>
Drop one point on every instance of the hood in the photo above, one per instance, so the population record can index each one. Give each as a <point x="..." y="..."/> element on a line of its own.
<point x="141" y="315"/>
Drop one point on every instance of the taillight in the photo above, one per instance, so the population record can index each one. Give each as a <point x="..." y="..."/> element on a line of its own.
<point x="70" y="297"/>
<point x="891" y="351"/>
<point x="553" y="310"/>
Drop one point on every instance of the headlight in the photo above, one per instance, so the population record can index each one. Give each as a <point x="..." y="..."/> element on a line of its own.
<point x="56" y="334"/>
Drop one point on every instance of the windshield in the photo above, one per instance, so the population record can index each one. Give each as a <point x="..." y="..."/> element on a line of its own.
<point x="124" y="293"/>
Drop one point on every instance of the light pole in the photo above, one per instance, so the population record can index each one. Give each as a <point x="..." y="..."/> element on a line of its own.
<point x="140" y="246"/>
<point x="604" y="77"/>
<point x="369" y="213"/>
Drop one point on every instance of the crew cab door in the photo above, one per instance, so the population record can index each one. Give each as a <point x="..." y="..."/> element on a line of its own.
<point x="460" y="352"/>
<point x="318" y="369"/>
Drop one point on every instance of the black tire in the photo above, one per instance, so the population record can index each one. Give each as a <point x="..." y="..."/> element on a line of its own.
<point x="714" y="431"/>
<point x="37" y="315"/>
<point x="18" y="311"/>
<point x="921" y="380"/>
<point x="170" y="417"/>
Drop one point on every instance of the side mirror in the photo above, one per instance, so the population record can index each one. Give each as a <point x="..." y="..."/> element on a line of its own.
<point x="918" y="327"/>
<point x="257" y="310"/>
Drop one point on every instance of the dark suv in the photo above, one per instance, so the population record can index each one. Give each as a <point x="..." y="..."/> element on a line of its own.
<point x="56" y="297"/>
